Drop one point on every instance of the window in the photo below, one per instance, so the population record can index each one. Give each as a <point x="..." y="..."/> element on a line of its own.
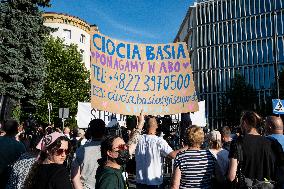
<point x="67" y="34"/>
<point x="82" y="54"/>
<point x="82" y="38"/>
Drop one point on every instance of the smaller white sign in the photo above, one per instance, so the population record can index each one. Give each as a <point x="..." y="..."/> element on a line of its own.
<point x="198" y="118"/>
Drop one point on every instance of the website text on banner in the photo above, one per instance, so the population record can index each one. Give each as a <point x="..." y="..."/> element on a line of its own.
<point x="127" y="77"/>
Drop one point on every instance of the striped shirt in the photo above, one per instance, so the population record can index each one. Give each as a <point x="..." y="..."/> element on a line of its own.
<point x="197" y="167"/>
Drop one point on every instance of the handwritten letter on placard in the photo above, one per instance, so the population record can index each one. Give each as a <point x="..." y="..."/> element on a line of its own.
<point x="127" y="77"/>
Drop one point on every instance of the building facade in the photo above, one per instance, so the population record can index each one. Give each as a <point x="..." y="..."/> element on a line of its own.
<point x="72" y="30"/>
<point x="226" y="37"/>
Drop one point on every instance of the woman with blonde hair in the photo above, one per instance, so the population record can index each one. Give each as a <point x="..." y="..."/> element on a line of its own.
<point x="221" y="155"/>
<point x="194" y="167"/>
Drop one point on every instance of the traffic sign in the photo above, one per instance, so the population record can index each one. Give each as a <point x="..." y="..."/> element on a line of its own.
<point x="278" y="106"/>
<point x="63" y="113"/>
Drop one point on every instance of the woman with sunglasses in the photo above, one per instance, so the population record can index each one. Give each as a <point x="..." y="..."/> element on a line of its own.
<point x="49" y="171"/>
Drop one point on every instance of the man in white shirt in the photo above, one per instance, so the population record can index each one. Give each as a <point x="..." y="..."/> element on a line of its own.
<point x="149" y="155"/>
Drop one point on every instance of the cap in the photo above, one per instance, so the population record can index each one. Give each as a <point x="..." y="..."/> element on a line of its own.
<point x="48" y="140"/>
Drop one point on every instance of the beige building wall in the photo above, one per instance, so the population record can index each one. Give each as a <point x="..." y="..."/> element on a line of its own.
<point x="72" y="30"/>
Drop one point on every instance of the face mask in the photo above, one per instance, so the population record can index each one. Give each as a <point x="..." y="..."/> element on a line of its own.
<point x="123" y="157"/>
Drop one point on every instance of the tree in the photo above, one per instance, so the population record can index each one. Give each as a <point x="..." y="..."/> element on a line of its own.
<point x="22" y="62"/>
<point x="240" y="97"/>
<point x="67" y="80"/>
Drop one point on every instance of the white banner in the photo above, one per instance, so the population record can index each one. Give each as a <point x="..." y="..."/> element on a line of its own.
<point x="84" y="116"/>
<point x="85" y="111"/>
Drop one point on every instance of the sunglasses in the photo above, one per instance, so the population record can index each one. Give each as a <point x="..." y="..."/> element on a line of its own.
<point x="60" y="151"/>
<point x="122" y="147"/>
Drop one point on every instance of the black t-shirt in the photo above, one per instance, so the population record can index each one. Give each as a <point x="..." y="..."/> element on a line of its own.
<point x="226" y="145"/>
<point x="258" y="158"/>
<point x="52" y="176"/>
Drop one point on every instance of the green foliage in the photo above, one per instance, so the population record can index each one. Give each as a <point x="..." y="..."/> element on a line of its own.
<point x="22" y="62"/>
<point x="16" y="113"/>
<point x="240" y="97"/>
<point x="67" y="81"/>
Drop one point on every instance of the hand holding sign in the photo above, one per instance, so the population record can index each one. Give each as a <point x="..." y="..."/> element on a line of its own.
<point x="141" y="120"/>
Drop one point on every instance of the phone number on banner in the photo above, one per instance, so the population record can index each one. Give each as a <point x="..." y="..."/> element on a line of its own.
<point x="130" y="82"/>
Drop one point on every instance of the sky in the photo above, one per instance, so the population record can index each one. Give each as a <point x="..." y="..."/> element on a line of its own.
<point x="139" y="21"/>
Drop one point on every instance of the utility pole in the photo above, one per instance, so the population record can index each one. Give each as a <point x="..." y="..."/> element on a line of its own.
<point x="49" y="107"/>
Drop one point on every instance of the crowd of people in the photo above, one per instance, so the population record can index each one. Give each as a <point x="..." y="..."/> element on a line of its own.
<point x="95" y="159"/>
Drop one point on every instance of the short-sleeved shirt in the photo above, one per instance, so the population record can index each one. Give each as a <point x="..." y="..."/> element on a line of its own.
<point x="53" y="176"/>
<point x="86" y="158"/>
<point x="223" y="160"/>
<point x="197" y="167"/>
<point x="279" y="138"/>
<point x="149" y="155"/>
<point x="258" y="157"/>
<point x="109" y="178"/>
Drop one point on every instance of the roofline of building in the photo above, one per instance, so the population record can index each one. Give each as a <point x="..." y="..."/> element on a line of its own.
<point x="72" y="20"/>
<point x="68" y="15"/>
<point x="184" y="21"/>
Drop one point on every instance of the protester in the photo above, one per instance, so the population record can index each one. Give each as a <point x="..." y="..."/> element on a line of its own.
<point x="81" y="137"/>
<point x="10" y="150"/>
<point x="84" y="165"/>
<point x="251" y="155"/>
<point x="226" y="137"/>
<point x="149" y="153"/>
<point x="50" y="129"/>
<point x="115" y="154"/>
<point x="75" y="139"/>
<point x="66" y="132"/>
<point x="194" y="167"/>
<point x="49" y="171"/>
<point x="2" y="132"/>
<point x="274" y="128"/>
<point x="131" y="124"/>
<point x="221" y="155"/>
<point x="23" y="165"/>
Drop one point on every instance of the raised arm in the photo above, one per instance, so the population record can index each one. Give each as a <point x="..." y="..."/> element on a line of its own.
<point x="135" y="135"/>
